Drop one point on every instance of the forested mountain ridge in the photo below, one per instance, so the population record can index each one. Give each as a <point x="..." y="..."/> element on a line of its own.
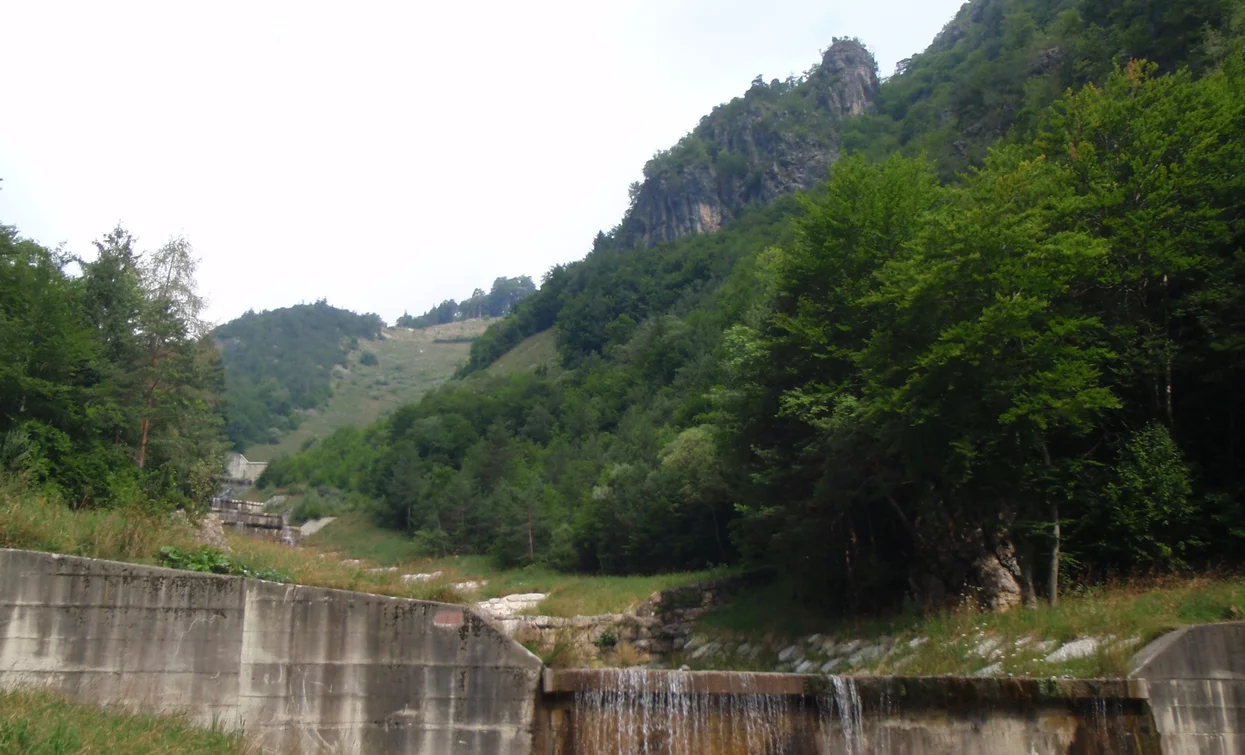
<point x="1001" y="347"/>
<point x="279" y="362"/>
<point x="779" y="138"/>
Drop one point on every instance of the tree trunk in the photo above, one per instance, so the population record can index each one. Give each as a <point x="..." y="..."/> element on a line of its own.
<point x="1054" y="557"/>
<point x="142" y="444"/>
<point x="1025" y="559"/>
<point x="531" y="543"/>
<point x="1171" y="418"/>
<point x="1054" y="551"/>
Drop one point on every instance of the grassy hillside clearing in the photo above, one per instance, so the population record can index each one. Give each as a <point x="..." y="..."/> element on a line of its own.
<point x="353" y="537"/>
<point x="409" y="363"/>
<point x="532" y="352"/>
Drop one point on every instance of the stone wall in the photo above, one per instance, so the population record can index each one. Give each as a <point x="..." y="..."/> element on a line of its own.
<point x="302" y="669"/>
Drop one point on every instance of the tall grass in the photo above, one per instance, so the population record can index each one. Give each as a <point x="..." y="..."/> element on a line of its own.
<point x="33" y="521"/>
<point x="43" y="723"/>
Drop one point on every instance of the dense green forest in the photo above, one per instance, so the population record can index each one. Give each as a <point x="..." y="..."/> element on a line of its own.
<point x="280" y="363"/>
<point x="1009" y="332"/>
<point x="109" y="381"/>
<point x="505" y="293"/>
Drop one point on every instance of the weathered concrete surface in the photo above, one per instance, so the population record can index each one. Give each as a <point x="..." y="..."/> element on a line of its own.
<point x="1195" y="681"/>
<point x="302" y="669"/>
<point x="238" y="468"/>
<point x="600" y="712"/>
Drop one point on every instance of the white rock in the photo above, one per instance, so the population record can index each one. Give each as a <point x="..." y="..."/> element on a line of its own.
<point x="1045" y="646"/>
<point x="791" y="653"/>
<point x="851" y="646"/>
<point x="828" y="645"/>
<point x="696" y="641"/>
<point x="743" y="649"/>
<point x="510" y="605"/>
<point x="814" y="639"/>
<point x="988" y="647"/>
<point x="917" y="642"/>
<point x="308" y="528"/>
<point x="382" y="570"/>
<point x="805" y="667"/>
<point x="830" y="665"/>
<point x="469" y="585"/>
<point x="705" y="650"/>
<point x="865" y="655"/>
<point x="351" y="562"/>
<point x="420" y="577"/>
<point x="994" y="669"/>
<point x="1082" y="648"/>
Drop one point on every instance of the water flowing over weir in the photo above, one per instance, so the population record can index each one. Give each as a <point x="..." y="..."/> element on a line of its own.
<point x="636" y="712"/>
<point x="645" y="712"/>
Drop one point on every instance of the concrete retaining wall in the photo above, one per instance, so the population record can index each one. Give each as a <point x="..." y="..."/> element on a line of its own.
<point x="302" y="669"/>
<point x="1195" y="681"/>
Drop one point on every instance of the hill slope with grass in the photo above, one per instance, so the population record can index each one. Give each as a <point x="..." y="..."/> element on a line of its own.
<point x="540" y="350"/>
<point x="279" y="364"/>
<point x="396" y="368"/>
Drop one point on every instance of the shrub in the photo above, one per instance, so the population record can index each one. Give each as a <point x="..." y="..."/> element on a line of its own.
<point x="212" y="561"/>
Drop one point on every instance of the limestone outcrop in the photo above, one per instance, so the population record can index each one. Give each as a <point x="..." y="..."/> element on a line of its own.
<point x="777" y="139"/>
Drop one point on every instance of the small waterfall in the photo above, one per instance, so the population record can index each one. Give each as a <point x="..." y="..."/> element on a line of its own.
<point x="639" y="712"/>
<point x="843" y="698"/>
<point x="646" y="712"/>
<point x="1108" y="719"/>
<point x="642" y="712"/>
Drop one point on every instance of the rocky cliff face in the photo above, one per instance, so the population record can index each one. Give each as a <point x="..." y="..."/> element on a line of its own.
<point x="778" y="138"/>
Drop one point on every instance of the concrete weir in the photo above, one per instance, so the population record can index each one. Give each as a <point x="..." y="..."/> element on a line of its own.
<point x="686" y="713"/>
<point x="312" y="670"/>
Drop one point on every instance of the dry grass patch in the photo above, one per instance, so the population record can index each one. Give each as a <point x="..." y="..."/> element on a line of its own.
<point x="320" y="568"/>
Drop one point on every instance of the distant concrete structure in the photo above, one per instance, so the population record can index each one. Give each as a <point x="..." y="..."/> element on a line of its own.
<point x="303" y="669"/>
<point x="238" y="469"/>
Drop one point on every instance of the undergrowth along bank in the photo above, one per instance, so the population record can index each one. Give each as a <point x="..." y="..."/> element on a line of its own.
<point x="1112" y="621"/>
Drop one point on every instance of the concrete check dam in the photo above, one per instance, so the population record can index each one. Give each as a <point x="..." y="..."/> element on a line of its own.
<point x="305" y="669"/>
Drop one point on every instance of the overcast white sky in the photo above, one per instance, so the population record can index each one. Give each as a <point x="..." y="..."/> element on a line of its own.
<point x="382" y="155"/>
